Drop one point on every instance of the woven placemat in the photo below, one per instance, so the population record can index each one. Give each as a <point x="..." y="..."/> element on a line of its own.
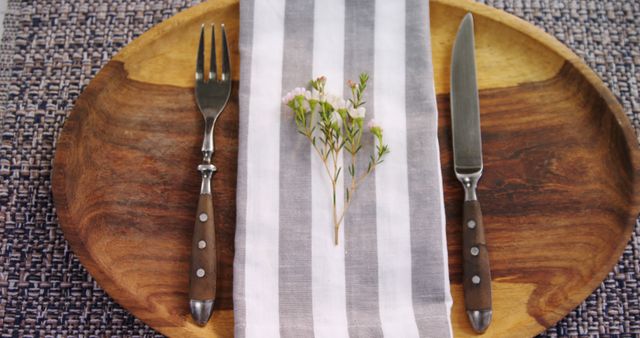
<point x="52" y="48"/>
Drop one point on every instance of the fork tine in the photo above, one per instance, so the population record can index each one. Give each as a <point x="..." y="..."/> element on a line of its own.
<point x="226" y="68"/>
<point x="200" y="58"/>
<point x="213" y="69"/>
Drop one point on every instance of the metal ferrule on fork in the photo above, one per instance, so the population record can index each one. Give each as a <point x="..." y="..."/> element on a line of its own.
<point x="207" y="170"/>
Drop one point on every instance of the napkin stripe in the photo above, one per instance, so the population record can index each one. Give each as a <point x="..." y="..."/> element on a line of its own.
<point x="328" y="269"/>
<point x="262" y="208"/>
<point x="295" y="180"/>
<point x="244" y="97"/>
<point x="360" y="223"/>
<point x="392" y="186"/>
<point x="431" y="297"/>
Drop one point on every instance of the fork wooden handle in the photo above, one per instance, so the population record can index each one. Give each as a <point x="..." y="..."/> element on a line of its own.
<point x="203" y="253"/>
<point x="203" y="274"/>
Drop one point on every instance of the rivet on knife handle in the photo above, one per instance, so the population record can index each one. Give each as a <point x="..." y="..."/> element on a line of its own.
<point x="202" y="276"/>
<point x="477" y="272"/>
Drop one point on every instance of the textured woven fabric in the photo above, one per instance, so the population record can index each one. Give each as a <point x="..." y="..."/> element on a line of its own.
<point x="51" y="49"/>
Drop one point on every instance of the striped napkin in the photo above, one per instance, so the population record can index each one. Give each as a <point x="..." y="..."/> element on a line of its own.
<point x="388" y="276"/>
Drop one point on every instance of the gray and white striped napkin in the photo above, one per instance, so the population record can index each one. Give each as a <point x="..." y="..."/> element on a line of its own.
<point x="388" y="276"/>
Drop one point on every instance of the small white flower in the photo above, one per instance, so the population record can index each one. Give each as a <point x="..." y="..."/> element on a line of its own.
<point x="312" y="95"/>
<point x="357" y="113"/>
<point x="336" y="102"/>
<point x="292" y="94"/>
<point x="287" y="98"/>
<point x="375" y="129"/>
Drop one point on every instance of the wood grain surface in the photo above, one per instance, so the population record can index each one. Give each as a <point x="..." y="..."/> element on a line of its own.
<point x="559" y="192"/>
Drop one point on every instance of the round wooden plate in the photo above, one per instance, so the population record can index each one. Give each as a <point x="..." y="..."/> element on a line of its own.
<point x="560" y="191"/>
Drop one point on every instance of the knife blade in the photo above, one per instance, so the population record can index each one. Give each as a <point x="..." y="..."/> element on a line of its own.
<point x="467" y="158"/>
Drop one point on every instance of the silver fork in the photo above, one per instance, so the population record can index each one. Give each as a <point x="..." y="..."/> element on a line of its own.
<point x="211" y="95"/>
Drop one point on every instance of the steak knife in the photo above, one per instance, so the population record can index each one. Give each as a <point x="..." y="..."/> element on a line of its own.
<point x="467" y="158"/>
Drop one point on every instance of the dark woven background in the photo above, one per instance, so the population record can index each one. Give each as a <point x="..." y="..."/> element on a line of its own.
<point x="52" y="48"/>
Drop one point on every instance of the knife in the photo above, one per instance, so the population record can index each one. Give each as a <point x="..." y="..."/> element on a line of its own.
<point x="467" y="159"/>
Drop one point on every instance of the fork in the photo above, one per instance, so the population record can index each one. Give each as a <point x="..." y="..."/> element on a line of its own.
<point x="212" y="95"/>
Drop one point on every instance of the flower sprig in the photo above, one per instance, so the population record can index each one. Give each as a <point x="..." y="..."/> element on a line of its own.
<point x="333" y="124"/>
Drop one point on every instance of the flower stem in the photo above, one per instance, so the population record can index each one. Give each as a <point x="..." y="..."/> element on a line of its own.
<point x="354" y="186"/>
<point x="332" y="124"/>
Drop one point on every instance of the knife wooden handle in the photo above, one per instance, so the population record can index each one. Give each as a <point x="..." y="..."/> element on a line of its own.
<point x="202" y="277"/>
<point x="477" y="272"/>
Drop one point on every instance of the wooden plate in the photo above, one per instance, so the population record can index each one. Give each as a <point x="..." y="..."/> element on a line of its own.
<point x="560" y="191"/>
